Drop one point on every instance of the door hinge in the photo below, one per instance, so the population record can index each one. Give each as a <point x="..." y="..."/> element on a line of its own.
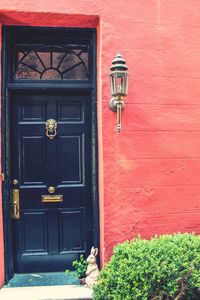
<point x="2" y="177"/>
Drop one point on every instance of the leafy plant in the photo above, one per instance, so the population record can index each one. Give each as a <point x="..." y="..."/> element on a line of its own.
<point x="163" y="268"/>
<point x="80" y="266"/>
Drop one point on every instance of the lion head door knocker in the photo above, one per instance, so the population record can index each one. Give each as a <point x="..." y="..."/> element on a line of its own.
<point x="51" y="128"/>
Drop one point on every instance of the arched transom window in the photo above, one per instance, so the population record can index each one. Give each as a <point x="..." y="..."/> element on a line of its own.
<point x="51" y="62"/>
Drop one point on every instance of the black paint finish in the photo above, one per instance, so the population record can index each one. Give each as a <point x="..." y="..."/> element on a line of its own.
<point x="48" y="236"/>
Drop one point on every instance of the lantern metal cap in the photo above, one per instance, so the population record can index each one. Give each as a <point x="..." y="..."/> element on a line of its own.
<point x="119" y="63"/>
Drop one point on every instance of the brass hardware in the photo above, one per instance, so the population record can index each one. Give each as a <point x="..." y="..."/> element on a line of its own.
<point x="51" y="189"/>
<point x="15" y="182"/>
<point x="117" y="105"/>
<point x="15" y="213"/>
<point x="52" y="198"/>
<point x="2" y="176"/>
<point x="51" y="128"/>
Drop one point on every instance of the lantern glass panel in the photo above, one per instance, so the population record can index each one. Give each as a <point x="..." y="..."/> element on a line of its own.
<point x="124" y="84"/>
<point x="121" y="82"/>
<point x="118" y="83"/>
<point x="112" y="84"/>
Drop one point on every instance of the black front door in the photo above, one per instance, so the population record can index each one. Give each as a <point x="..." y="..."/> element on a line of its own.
<point x="51" y="169"/>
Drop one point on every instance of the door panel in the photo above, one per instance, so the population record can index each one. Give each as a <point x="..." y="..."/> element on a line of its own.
<point x="71" y="149"/>
<point x="72" y="220"/>
<point x="50" y="235"/>
<point x="33" y="240"/>
<point x="32" y="166"/>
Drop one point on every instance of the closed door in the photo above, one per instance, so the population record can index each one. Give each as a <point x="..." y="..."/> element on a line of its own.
<point x="51" y="173"/>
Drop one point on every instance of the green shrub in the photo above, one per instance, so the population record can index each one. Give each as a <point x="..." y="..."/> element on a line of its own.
<point x="80" y="266"/>
<point x="165" y="267"/>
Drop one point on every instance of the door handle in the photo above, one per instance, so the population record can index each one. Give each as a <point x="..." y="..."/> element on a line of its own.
<point x="15" y="181"/>
<point x="15" y="202"/>
<point x="51" y="189"/>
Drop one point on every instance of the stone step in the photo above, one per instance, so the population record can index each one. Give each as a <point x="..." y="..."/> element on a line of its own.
<point x="62" y="292"/>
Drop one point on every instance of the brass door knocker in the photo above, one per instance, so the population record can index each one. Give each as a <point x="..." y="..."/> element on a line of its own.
<point x="51" y="128"/>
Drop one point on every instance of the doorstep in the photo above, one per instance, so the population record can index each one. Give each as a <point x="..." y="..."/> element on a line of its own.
<point x="62" y="292"/>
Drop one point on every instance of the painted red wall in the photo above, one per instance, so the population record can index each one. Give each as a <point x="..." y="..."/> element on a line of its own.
<point x="150" y="172"/>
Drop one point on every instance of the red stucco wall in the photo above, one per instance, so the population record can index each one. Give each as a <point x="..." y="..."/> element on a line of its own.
<point x="150" y="172"/>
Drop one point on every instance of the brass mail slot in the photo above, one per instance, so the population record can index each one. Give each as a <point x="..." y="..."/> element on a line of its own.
<point x="52" y="198"/>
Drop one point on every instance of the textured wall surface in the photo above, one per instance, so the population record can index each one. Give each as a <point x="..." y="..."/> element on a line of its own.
<point x="150" y="172"/>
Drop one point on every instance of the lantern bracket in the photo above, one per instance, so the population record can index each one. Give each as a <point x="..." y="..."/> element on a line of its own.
<point x="114" y="102"/>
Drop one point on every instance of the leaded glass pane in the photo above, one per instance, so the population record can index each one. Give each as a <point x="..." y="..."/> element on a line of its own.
<point x="50" y="62"/>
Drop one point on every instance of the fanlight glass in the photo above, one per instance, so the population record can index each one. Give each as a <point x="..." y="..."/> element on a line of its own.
<point x="51" y="62"/>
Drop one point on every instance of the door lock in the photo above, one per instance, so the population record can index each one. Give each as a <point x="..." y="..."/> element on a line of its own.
<point x="15" y="201"/>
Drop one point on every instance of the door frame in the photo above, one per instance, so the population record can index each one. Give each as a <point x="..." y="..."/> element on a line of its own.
<point x="8" y="88"/>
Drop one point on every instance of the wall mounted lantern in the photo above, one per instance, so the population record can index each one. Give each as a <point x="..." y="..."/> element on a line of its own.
<point x="119" y="86"/>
